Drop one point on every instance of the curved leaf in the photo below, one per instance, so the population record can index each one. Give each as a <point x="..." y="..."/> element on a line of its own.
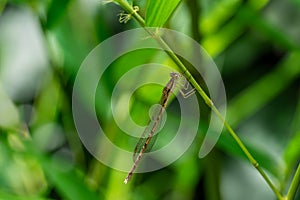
<point x="159" y="11"/>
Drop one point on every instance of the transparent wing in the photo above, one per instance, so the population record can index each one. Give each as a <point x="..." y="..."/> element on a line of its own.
<point x="147" y="131"/>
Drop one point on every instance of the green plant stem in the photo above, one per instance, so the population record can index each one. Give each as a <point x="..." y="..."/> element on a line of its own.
<point x="129" y="9"/>
<point x="124" y="4"/>
<point x="294" y="185"/>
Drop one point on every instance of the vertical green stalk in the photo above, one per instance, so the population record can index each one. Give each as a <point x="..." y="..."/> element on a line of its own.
<point x="129" y="9"/>
<point x="294" y="185"/>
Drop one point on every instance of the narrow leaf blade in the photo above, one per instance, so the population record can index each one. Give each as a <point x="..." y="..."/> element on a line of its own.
<point x="159" y="11"/>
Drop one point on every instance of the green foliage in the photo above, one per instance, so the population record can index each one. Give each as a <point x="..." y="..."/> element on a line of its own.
<point x="256" y="46"/>
<point x="260" y="93"/>
<point x="292" y="152"/>
<point x="56" y="10"/>
<point x="158" y="12"/>
<point x="2" y="4"/>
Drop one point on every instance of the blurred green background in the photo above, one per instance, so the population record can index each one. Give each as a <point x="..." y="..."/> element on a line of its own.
<point x="256" y="46"/>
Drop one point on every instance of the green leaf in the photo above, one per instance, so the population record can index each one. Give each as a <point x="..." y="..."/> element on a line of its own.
<point x="250" y="17"/>
<point x="11" y="117"/>
<point x="296" y="2"/>
<point x="280" y="78"/>
<point x="159" y="11"/>
<point x="48" y="102"/>
<point x="217" y="38"/>
<point x="292" y="152"/>
<point x="66" y="178"/>
<point x="4" y="195"/>
<point x="69" y="183"/>
<point x="56" y="11"/>
<point x="267" y="161"/>
<point x="130" y="2"/>
<point x="2" y="5"/>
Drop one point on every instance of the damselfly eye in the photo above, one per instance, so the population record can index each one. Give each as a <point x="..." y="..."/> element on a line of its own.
<point x="175" y="75"/>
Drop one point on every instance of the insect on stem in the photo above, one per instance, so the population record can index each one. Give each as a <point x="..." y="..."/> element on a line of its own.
<point x="146" y="142"/>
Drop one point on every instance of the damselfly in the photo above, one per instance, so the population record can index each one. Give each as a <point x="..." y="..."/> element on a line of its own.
<point x="148" y="138"/>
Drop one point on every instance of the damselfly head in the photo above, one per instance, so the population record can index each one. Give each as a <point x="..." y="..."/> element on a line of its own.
<point x="175" y="75"/>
